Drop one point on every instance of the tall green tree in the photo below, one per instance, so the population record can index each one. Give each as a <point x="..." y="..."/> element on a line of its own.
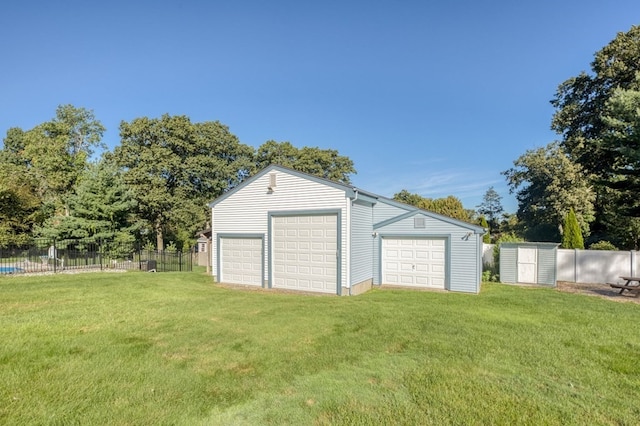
<point x="596" y="116"/>
<point x="571" y="234"/>
<point x="324" y="163"/>
<point x="101" y="208"/>
<point x="449" y="206"/>
<point x="580" y="101"/>
<point x="56" y="153"/>
<point x="622" y="143"/>
<point x="491" y="207"/>
<point x="547" y="184"/>
<point x="175" y="167"/>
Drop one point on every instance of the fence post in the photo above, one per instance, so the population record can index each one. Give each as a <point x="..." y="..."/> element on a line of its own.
<point x="575" y="265"/>
<point x="179" y="261"/>
<point x="100" y="253"/>
<point x="55" y="255"/>
<point x="633" y="262"/>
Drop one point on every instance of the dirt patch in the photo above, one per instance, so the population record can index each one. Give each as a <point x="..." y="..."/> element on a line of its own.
<point x="598" y="290"/>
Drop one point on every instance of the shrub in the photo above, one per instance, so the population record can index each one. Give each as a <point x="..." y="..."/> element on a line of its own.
<point x="603" y="245"/>
<point x="486" y="238"/>
<point x="571" y="235"/>
<point x="489" y="275"/>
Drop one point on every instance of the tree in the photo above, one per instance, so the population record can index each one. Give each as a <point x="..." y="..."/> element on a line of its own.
<point x="622" y="143"/>
<point x="571" y="235"/>
<point x="55" y="153"/>
<point x="580" y="101"/>
<point x="19" y="205"/>
<point x="596" y="115"/>
<point x="100" y="209"/>
<point x="547" y="184"/>
<point x="449" y="206"/>
<point x="410" y="198"/>
<point x="324" y="163"/>
<point x="491" y="207"/>
<point x="175" y="167"/>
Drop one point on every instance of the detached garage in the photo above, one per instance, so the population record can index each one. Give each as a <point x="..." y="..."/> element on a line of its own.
<point x="285" y="229"/>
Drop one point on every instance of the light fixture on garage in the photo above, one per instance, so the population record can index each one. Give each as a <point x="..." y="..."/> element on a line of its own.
<point x="467" y="235"/>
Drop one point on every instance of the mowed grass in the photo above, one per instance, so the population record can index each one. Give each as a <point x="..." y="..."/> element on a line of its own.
<point x="174" y="348"/>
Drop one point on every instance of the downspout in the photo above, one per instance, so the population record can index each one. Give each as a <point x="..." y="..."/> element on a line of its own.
<point x="352" y="202"/>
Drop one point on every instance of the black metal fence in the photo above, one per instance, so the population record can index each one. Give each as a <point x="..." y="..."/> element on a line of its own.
<point x="46" y="255"/>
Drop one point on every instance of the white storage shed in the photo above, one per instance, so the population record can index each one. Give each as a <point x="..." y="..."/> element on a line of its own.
<point x="528" y="263"/>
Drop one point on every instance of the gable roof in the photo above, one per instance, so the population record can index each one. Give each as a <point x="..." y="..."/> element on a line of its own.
<point x="353" y="192"/>
<point x="349" y="190"/>
<point x="475" y="228"/>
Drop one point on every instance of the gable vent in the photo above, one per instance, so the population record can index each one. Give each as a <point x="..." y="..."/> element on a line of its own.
<point x="272" y="180"/>
<point x="419" y="222"/>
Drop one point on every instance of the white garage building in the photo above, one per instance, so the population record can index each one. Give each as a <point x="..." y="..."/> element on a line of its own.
<point x="286" y="229"/>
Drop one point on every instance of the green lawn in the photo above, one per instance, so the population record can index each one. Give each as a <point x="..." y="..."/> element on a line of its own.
<point x="173" y="348"/>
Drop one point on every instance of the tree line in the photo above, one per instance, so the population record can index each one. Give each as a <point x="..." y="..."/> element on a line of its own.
<point x="153" y="187"/>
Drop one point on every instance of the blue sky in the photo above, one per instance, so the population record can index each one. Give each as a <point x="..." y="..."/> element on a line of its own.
<point x="434" y="97"/>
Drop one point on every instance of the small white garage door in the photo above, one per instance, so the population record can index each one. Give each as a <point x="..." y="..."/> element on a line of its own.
<point x="415" y="262"/>
<point x="241" y="261"/>
<point x="305" y="252"/>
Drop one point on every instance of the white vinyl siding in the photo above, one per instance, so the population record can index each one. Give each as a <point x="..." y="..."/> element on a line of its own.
<point x="247" y="210"/>
<point x="361" y="243"/>
<point x="241" y="261"/>
<point x="383" y="211"/>
<point x="463" y="257"/>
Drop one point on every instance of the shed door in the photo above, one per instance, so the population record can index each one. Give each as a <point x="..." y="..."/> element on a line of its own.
<point x="527" y="265"/>
<point x="416" y="262"/>
<point x="305" y="253"/>
<point x="241" y="261"/>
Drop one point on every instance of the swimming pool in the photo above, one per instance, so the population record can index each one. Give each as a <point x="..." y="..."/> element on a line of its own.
<point x="10" y="270"/>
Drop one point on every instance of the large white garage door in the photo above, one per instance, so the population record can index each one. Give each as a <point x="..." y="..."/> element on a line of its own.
<point x="418" y="262"/>
<point x="305" y="252"/>
<point x="241" y="261"/>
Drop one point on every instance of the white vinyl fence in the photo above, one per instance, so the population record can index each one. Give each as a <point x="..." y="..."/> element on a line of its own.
<point x="587" y="266"/>
<point x="487" y="254"/>
<point x="596" y="266"/>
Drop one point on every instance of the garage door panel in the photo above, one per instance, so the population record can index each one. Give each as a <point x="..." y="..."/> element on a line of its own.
<point x="241" y="261"/>
<point x="418" y="262"/>
<point x="305" y="254"/>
